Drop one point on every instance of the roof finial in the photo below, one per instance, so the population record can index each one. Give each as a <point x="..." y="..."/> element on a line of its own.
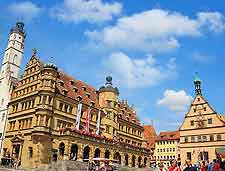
<point x="108" y="80"/>
<point x="34" y="52"/>
<point x="197" y="78"/>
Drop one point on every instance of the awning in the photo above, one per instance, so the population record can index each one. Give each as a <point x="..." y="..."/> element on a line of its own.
<point x="221" y="151"/>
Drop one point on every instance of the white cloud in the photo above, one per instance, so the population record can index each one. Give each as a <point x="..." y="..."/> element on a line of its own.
<point x="213" y="20"/>
<point x="24" y="10"/>
<point x="137" y="73"/>
<point x="175" y="100"/>
<point x="93" y="11"/>
<point x="154" y="30"/>
<point x="201" y="58"/>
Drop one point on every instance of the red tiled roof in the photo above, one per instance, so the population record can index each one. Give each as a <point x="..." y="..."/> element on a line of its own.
<point x="150" y="135"/>
<point x="88" y="95"/>
<point x="127" y="113"/>
<point x="172" y="135"/>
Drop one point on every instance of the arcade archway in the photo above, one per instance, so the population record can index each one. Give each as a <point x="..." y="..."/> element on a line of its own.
<point x="107" y="154"/>
<point x="73" y="152"/>
<point x="86" y="153"/>
<point x="133" y="161"/>
<point x="126" y="159"/>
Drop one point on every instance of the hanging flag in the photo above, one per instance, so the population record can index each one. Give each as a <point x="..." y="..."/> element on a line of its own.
<point x="98" y="123"/>
<point x="79" y="109"/>
<point x="88" y="119"/>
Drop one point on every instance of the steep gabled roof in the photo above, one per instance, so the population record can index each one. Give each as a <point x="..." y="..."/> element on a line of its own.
<point x="172" y="135"/>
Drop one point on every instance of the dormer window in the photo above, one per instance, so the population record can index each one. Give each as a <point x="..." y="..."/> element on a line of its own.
<point x="92" y="103"/>
<point x="84" y="88"/>
<point x="71" y="82"/>
<point x="88" y="95"/>
<point x="65" y="91"/>
<point x="127" y="117"/>
<point x="61" y="82"/>
<point x="79" y="98"/>
<point x="75" y="89"/>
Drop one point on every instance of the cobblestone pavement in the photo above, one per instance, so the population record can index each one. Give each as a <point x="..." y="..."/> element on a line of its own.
<point x="8" y="169"/>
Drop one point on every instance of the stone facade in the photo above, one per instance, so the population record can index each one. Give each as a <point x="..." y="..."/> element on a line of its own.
<point x="42" y="117"/>
<point x="202" y="131"/>
<point x="9" y="71"/>
<point x="167" y="147"/>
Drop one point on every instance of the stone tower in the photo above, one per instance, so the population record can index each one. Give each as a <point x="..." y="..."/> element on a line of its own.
<point x="108" y="100"/>
<point x="10" y="70"/>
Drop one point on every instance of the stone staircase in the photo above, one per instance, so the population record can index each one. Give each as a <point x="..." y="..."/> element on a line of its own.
<point x="67" y="165"/>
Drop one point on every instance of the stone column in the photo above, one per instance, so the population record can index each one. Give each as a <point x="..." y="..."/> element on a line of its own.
<point x="80" y="152"/>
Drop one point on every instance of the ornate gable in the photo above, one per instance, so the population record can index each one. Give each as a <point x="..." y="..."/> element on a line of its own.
<point x="201" y="114"/>
<point x="17" y="139"/>
<point x="199" y="105"/>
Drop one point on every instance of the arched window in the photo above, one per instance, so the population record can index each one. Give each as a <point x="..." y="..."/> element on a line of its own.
<point x="61" y="149"/>
<point x="14" y="59"/>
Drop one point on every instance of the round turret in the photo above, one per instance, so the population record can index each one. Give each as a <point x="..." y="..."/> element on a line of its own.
<point x="108" y="87"/>
<point x="18" y="28"/>
<point x="50" y="66"/>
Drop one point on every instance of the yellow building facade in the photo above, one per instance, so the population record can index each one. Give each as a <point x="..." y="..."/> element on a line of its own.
<point x="167" y="147"/>
<point x="42" y="120"/>
<point x="202" y="133"/>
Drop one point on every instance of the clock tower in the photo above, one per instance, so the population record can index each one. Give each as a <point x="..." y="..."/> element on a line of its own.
<point x="9" y="72"/>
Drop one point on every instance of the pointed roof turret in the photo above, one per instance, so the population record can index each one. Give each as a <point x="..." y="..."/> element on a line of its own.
<point x="197" y="83"/>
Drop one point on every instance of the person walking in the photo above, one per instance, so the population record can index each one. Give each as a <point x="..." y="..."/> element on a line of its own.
<point x="161" y="166"/>
<point x="210" y="166"/>
<point x="203" y="166"/>
<point x="189" y="166"/>
<point x="174" y="166"/>
<point x="216" y="165"/>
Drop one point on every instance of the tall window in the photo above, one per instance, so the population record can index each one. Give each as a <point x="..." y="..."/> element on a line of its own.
<point x="14" y="59"/>
<point x="188" y="155"/>
<point x="192" y="123"/>
<point x="204" y="138"/>
<point x="219" y="137"/>
<point x="209" y="120"/>
<point x="30" y="152"/>
<point x="193" y="139"/>
<point x="185" y="139"/>
<point x="3" y="116"/>
<point x="211" y="137"/>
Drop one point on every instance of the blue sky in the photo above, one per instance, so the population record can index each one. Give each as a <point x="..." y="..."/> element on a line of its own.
<point x="151" y="48"/>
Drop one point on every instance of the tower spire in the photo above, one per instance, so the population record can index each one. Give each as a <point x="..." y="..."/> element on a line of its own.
<point x="197" y="83"/>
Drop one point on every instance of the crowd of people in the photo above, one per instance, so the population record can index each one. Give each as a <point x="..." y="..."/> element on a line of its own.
<point x="215" y="165"/>
<point x="10" y="162"/>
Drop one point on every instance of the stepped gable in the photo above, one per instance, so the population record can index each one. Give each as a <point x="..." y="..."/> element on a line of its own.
<point x="172" y="135"/>
<point x="75" y="89"/>
<point x="150" y="135"/>
<point x="127" y="113"/>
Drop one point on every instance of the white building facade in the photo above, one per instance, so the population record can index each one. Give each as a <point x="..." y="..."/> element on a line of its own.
<point x="10" y="71"/>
